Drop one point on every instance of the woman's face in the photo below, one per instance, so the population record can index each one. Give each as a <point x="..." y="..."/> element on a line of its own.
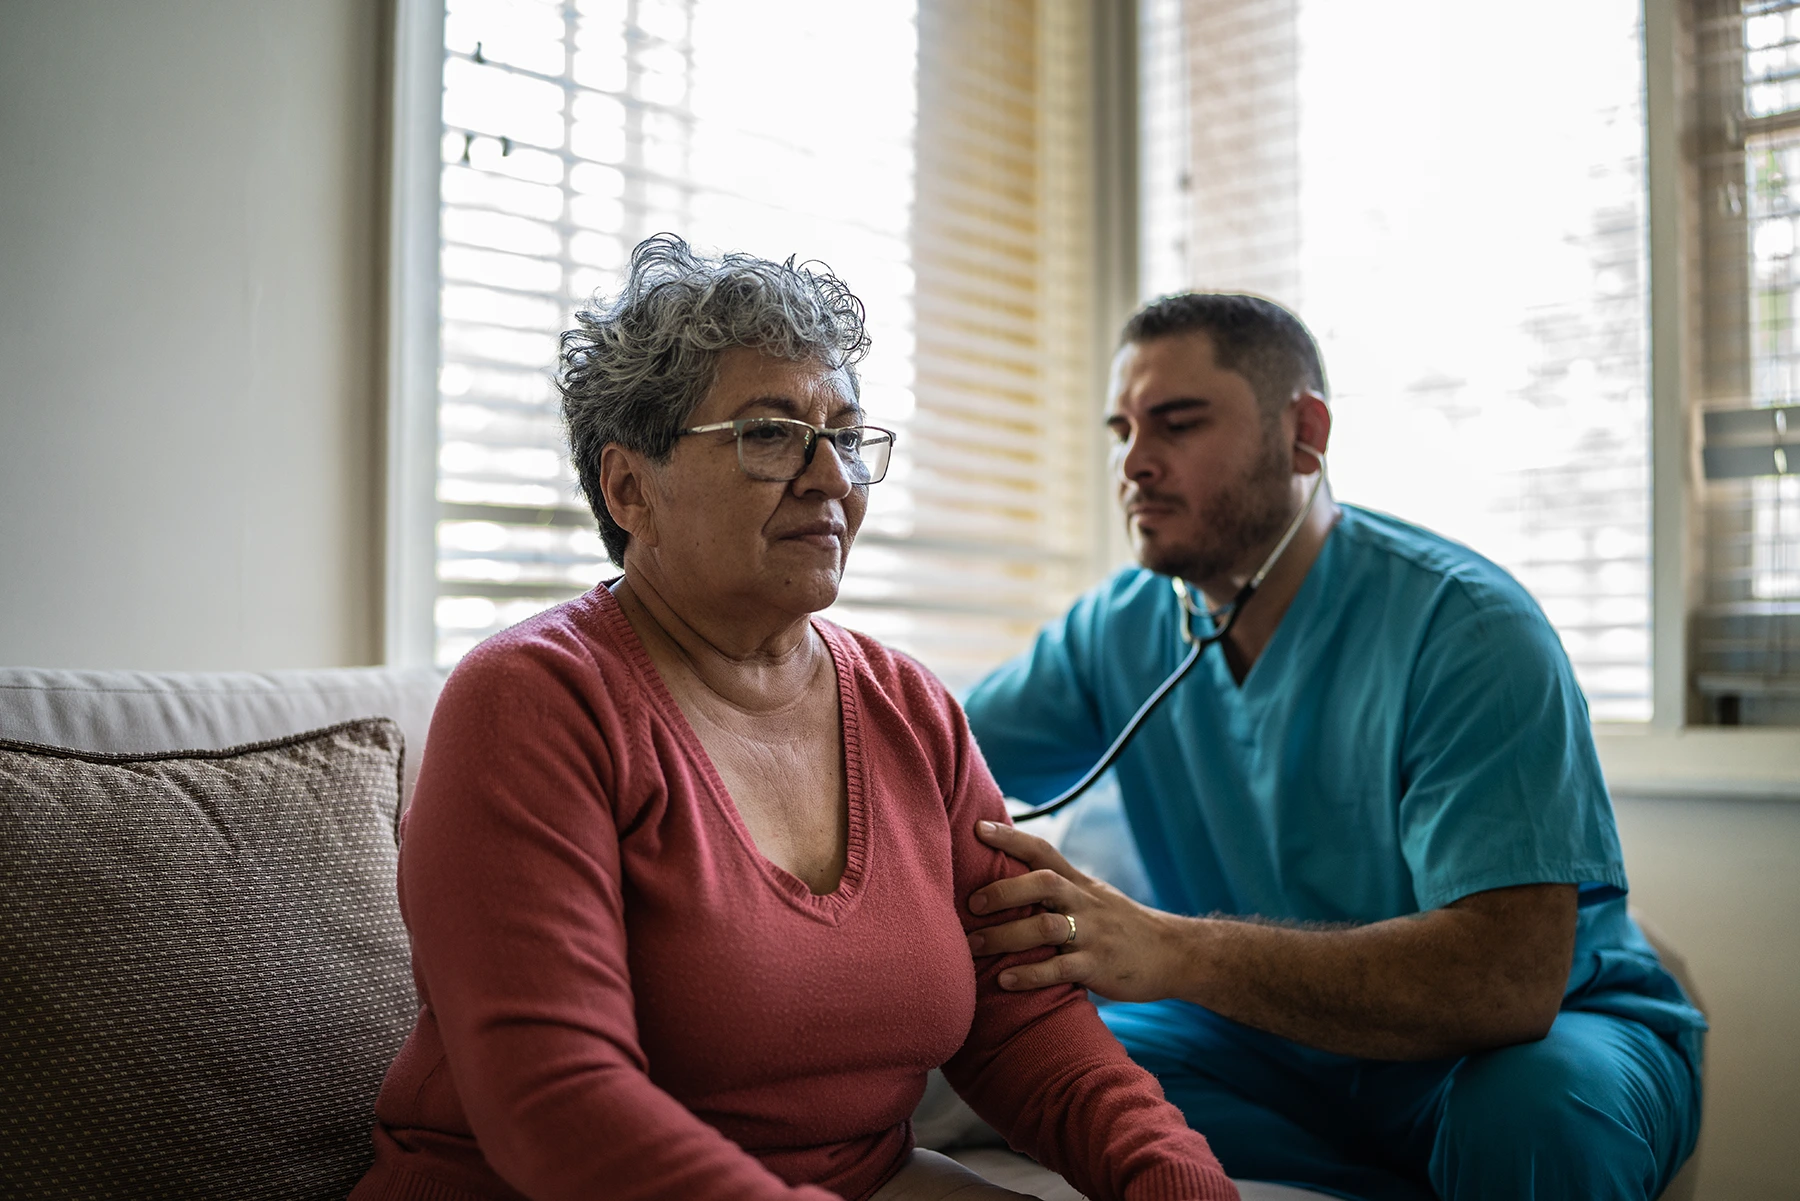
<point x="722" y="535"/>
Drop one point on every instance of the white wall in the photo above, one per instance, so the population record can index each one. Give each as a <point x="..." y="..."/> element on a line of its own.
<point x="190" y="242"/>
<point x="1721" y="879"/>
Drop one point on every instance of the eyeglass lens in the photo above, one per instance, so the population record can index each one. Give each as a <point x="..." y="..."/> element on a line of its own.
<point x="776" y="450"/>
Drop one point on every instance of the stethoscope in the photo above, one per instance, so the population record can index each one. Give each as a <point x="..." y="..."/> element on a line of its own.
<point x="1222" y="620"/>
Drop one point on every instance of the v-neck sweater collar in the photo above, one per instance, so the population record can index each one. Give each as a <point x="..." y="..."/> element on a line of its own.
<point x="840" y="900"/>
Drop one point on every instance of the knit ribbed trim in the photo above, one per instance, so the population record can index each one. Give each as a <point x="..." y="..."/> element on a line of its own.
<point x="1183" y="1182"/>
<point x="847" y="658"/>
<point x="401" y="1185"/>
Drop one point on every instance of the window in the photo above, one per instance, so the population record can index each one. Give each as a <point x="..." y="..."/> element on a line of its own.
<point x="1469" y="252"/>
<point x="1747" y="165"/>
<point x="931" y="153"/>
<point x="1773" y="188"/>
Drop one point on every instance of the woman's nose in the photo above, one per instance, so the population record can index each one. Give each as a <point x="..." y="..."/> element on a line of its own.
<point x="825" y="473"/>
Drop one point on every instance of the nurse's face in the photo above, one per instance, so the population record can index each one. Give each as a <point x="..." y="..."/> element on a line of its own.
<point x="1204" y="476"/>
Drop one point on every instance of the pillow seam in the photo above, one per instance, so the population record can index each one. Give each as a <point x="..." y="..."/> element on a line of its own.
<point x="230" y="752"/>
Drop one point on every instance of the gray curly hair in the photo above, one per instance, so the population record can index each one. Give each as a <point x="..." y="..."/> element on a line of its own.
<point x="637" y="365"/>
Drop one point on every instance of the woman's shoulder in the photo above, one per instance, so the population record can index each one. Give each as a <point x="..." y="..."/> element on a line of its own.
<point x="882" y="664"/>
<point x="559" y="689"/>
<point x="890" y="681"/>
<point x="568" y="650"/>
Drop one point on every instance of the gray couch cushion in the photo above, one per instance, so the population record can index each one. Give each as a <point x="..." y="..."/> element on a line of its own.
<point x="205" y="973"/>
<point x="133" y="711"/>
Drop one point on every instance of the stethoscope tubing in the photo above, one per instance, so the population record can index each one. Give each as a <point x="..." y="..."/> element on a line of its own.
<point x="1188" y="611"/>
<point x="1073" y="793"/>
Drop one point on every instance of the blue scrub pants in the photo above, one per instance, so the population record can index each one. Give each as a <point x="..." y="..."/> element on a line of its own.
<point x="1600" y="1109"/>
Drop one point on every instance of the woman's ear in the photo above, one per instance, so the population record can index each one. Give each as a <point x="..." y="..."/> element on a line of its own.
<point x="629" y="492"/>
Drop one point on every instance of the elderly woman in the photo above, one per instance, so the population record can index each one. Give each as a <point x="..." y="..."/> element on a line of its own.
<point x="683" y="867"/>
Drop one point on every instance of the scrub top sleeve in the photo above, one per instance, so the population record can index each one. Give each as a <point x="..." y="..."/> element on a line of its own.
<point x="1035" y="717"/>
<point x="1500" y="782"/>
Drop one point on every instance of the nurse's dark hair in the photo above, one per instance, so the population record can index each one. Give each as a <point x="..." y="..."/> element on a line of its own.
<point x="1256" y="338"/>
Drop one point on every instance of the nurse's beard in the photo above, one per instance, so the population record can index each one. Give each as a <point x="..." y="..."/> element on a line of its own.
<point x="1238" y="527"/>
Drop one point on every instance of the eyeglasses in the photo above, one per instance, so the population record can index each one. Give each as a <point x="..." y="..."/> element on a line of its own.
<point x="779" y="449"/>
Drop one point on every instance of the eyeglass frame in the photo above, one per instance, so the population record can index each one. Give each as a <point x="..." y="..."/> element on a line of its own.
<point x="813" y="433"/>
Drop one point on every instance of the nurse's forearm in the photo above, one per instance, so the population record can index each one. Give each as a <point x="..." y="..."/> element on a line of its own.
<point x="1485" y="971"/>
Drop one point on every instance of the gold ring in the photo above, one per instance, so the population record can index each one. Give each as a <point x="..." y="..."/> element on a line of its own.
<point x="1070" y="941"/>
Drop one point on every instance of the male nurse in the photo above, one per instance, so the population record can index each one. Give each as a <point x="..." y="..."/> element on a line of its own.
<point x="1390" y="956"/>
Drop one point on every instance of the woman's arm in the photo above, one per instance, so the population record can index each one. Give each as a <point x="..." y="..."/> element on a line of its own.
<point x="510" y="879"/>
<point x="1047" y="1074"/>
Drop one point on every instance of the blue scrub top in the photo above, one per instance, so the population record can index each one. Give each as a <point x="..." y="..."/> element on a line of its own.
<point x="1412" y="733"/>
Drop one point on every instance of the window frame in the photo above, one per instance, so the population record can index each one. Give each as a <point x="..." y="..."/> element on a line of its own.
<point x="409" y="537"/>
<point x="1671" y="755"/>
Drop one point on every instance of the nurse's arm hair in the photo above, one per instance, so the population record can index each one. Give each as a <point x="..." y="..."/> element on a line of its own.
<point x="1485" y="971"/>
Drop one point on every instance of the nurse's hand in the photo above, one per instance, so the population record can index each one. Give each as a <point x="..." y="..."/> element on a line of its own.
<point x="1121" y="949"/>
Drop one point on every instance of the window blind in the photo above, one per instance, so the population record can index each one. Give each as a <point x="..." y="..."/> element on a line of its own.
<point x="1746" y="165"/>
<point x="995" y="526"/>
<point x="931" y="153"/>
<point x="1468" y="252"/>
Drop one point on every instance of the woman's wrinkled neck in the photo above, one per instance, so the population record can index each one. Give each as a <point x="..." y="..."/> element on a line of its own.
<point x="749" y="663"/>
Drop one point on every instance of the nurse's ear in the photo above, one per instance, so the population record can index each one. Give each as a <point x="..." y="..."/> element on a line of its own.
<point x="1311" y="418"/>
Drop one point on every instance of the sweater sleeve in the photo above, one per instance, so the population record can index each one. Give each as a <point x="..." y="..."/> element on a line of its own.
<point x="1042" y="1068"/>
<point x="510" y="882"/>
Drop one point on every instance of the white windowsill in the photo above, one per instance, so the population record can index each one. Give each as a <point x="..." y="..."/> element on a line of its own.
<point x="1700" y="761"/>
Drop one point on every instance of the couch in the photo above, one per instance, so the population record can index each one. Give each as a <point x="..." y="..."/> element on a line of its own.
<point x="206" y="972"/>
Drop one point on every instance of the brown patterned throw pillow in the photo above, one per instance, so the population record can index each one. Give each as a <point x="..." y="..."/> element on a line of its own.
<point x="203" y="974"/>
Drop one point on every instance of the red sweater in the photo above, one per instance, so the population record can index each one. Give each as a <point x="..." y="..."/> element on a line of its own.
<point x="621" y="998"/>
